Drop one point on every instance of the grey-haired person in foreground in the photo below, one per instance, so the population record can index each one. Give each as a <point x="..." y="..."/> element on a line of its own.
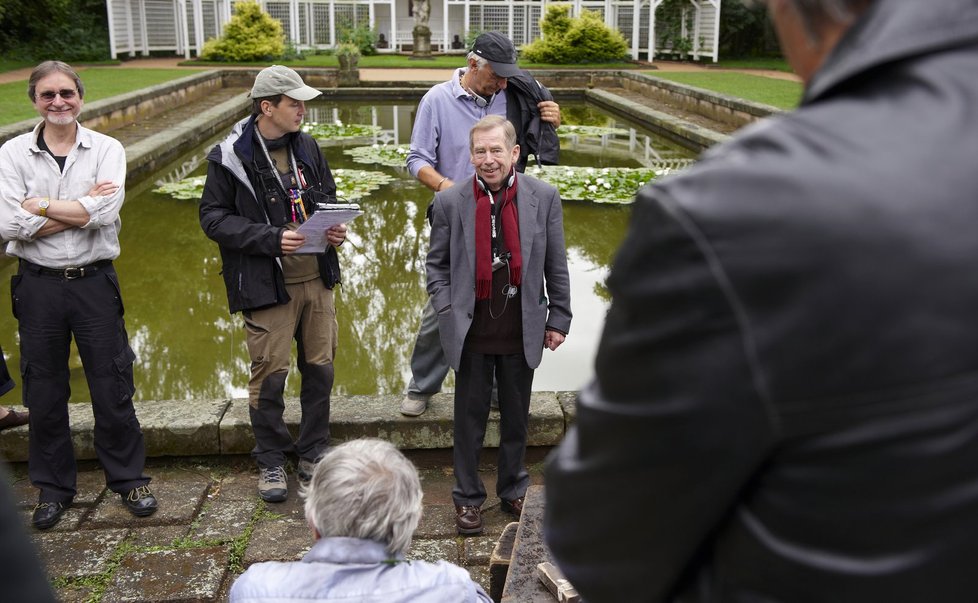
<point x="785" y="405"/>
<point x="363" y="505"/>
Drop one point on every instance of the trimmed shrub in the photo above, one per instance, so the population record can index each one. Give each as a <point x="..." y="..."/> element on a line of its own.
<point x="250" y="35"/>
<point x="580" y="40"/>
<point x="361" y="36"/>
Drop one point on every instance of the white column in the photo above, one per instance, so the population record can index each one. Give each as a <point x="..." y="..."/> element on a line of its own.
<point x="332" y="23"/>
<point x="108" y="13"/>
<point x="294" y="22"/>
<point x="653" y="6"/>
<point x="130" y="34"/>
<point x="392" y="42"/>
<point x="636" y="28"/>
<point x="716" y="30"/>
<point x="509" y="26"/>
<point x="444" y="27"/>
<point x="198" y="27"/>
<point x="143" y="34"/>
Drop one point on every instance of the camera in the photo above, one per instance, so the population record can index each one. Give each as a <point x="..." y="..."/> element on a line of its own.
<point x="499" y="261"/>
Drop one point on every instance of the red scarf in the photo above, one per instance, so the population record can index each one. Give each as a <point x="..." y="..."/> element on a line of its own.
<point x="483" y="237"/>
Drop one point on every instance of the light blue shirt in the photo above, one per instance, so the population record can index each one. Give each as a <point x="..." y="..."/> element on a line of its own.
<point x="440" y="137"/>
<point x="351" y="569"/>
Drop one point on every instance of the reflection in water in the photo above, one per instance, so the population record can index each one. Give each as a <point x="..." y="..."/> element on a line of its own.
<point x="189" y="347"/>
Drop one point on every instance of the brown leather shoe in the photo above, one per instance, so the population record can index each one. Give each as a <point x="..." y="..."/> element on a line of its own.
<point x="513" y="507"/>
<point x="468" y="519"/>
<point x="13" y="419"/>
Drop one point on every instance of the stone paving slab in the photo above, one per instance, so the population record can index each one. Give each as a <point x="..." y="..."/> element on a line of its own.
<point x="79" y="554"/>
<point x="195" y="574"/>
<point x="180" y="494"/>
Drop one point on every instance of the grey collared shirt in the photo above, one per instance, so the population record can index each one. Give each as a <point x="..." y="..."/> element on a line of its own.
<point x="26" y="171"/>
<point x="342" y="570"/>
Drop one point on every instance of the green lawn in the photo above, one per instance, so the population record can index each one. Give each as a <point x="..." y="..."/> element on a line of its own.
<point x="784" y="94"/>
<point x="10" y="64"/>
<point x="773" y="63"/>
<point x="100" y="82"/>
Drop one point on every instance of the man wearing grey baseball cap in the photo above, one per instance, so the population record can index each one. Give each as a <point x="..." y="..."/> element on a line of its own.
<point x="264" y="180"/>
<point x="277" y="79"/>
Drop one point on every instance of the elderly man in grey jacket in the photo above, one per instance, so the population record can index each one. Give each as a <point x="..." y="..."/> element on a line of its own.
<point x="786" y="397"/>
<point x="497" y="276"/>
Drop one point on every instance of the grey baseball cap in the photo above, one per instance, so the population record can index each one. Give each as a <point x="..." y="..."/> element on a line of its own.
<point x="275" y="80"/>
<point x="499" y="51"/>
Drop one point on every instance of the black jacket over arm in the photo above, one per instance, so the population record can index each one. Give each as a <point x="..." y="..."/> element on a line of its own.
<point x="535" y="136"/>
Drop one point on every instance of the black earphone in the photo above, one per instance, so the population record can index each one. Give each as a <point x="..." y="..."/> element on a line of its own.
<point x="480" y="101"/>
<point x="509" y="182"/>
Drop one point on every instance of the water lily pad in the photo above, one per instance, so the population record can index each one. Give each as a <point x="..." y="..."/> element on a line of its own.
<point x="391" y="155"/>
<point x="351" y="185"/>
<point x="188" y="188"/>
<point x="600" y="185"/>
<point x="338" y="129"/>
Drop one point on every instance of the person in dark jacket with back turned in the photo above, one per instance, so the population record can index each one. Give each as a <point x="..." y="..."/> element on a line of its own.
<point x="785" y="405"/>
<point x="263" y="181"/>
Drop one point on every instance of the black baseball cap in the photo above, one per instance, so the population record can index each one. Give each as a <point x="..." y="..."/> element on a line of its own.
<point x="499" y="51"/>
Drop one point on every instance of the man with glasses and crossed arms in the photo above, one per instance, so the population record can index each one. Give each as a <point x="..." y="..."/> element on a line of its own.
<point x="61" y="189"/>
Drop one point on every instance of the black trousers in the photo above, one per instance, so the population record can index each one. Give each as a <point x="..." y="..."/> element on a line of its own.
<point x="473" y="390"/>
<point x="50" y="310"/>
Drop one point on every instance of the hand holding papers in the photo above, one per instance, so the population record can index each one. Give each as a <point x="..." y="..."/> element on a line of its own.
<point x="325" y="217"/>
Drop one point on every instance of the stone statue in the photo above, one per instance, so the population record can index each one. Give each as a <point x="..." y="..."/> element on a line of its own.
<point x="422" y="33"/>
<point x="422" y="8"/>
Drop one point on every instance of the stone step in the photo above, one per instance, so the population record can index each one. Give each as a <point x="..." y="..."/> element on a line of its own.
<point x="222" y="427"/>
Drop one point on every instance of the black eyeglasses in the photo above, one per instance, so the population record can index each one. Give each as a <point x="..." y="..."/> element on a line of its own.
<point x="66" y="94"/>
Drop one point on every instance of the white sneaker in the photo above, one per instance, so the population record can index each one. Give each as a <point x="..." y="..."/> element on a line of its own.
<point x="305" y="470"/>
<point x="413" y="407"/>
<point x="272" y="485"/>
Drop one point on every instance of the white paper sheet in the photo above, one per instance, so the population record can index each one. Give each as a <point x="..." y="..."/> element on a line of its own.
<point x="318" y="223"/>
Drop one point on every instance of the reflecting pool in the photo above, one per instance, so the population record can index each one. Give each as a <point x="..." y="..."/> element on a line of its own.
<point x="189" y="347"/>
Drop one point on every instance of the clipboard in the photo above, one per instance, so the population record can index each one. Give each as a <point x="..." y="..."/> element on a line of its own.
<point x="325" y="217"/>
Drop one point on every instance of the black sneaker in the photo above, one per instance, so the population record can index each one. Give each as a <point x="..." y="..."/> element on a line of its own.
<point x="140" y="501"/>
<point x="47" y="514"/>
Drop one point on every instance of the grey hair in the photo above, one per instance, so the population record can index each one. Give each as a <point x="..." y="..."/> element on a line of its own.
<point x="480" y="61"/>
<point x="47" y="68"/>
<point x="490" y="122"/>
<point x="365" y="489"/>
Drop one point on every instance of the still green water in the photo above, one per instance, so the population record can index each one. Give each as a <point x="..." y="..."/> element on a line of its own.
<point x="189" y="347"/>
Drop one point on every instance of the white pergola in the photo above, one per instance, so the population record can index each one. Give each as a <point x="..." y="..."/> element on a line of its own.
<point x="138" y="27"/>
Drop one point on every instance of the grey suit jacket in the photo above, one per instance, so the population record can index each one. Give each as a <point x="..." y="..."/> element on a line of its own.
<point x="451" y="265"/>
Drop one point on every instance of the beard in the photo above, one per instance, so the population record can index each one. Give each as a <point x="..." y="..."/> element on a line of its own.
<point x="64" y="118"/>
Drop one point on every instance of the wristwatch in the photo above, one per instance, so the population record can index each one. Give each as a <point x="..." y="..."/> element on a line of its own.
<point x="43" y="205"/>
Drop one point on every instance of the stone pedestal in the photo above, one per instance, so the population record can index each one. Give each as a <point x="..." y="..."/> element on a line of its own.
<point x="349" y="77"/>
<point x="422" y="43"/>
